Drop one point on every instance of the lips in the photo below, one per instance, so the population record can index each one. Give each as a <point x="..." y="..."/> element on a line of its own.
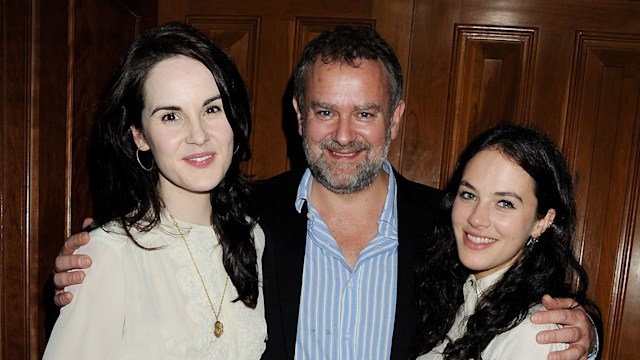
<point x="345" y="152"/>
<point x="200" y="160"/>
<point x="343" y="155"/>
<point x="477" y="242"/>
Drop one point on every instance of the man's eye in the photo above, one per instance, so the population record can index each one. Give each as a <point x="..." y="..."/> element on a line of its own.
<point x="366" y="115"/>
<point x="323" y="113"/>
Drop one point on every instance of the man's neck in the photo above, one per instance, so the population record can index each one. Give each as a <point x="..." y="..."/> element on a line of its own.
<point x="374" y="195"/>
<point x="352" y="218"/>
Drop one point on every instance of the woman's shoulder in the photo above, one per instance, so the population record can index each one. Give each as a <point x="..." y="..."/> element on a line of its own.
<point x="109" y="233"/>
<point x="520" y="342"/>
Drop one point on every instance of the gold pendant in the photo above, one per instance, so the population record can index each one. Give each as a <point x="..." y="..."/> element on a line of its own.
<point x="218" y="329"/>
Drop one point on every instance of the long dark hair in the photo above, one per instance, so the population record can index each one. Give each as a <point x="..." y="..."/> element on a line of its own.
<point x="548" y="267"/>
<point x="126" y="193"/>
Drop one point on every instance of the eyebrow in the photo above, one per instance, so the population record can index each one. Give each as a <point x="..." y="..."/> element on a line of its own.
<point x="178" y="108"/>
<point x="319" y="104"/>
<point x="367" y="106"/>
<point x="500" y="193"/>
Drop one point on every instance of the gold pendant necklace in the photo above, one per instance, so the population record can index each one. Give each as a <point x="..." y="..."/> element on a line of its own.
<point x="218" y="328"/>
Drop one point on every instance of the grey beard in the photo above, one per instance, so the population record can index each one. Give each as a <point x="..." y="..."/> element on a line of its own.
<point x="361" y="180"/>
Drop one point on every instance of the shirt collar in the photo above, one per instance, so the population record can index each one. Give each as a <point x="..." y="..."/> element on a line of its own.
<point x="388" y="217"/>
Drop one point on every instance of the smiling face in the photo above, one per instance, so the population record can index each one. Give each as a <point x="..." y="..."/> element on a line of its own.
<point x="494" y="213"/>
<point x="347" y="126"/>
<point x="185" y="127"/>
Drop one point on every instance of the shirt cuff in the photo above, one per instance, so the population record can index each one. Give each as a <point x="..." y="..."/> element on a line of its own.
<point x="596" y="346"/>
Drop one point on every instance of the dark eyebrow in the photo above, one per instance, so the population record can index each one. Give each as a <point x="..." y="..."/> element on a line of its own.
<point x="178" y="108"/>
<point x="159" y="108"/>
<point x="466" y="183"/>
<point x="500" y="193"/>
<point x="509" y="194"/>
<point x="209" y="101"/>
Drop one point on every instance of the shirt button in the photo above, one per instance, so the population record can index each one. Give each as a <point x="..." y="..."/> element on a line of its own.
<point x="347" y="337"/>
<point x="350" y="284"/>
<point x="309" y="216"/>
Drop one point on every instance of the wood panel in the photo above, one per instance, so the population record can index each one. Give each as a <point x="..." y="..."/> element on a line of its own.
<point x="602" y="146"/>
<point x="491" y="74"/>
<point x="16" y="85"/>
<point x="49" y="165"/>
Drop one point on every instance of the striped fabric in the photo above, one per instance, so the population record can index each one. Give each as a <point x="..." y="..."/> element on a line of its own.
<point x="348" y="314"/>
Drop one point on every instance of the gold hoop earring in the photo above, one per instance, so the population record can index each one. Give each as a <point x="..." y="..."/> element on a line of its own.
<point x="140" y="162"/>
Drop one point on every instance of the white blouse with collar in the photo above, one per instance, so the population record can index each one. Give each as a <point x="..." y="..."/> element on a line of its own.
<point x="517" y="343"/>
<point x="150" y="304"/>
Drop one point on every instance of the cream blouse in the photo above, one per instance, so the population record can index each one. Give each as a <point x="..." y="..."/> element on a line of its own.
<point x="517" y="343"/>
<point x="150" y="304"/>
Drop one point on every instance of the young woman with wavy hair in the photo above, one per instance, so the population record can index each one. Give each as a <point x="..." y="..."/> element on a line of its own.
<point x="175" y="247"/>
<point x="502" y="239"/>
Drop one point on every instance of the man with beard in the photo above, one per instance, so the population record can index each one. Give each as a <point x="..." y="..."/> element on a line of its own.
<point x="342" y="234"/>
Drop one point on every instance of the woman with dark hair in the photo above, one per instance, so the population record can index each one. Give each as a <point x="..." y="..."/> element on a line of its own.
<point x="502" y="239"/>
<point x="176" y="249"/>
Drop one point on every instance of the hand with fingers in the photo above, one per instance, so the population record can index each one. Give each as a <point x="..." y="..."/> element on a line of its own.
<point x="68" y="264"/>
<point x="578" y="331"/>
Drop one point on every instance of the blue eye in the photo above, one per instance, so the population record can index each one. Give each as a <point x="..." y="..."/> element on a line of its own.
<point x="506" y="204"/>
<point x="466" y="195"/>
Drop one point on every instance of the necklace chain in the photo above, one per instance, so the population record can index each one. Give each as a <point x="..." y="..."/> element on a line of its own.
<point x="218" y="328"/>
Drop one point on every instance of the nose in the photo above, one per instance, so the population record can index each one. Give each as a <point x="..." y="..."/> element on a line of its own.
<point x="196" y="133"/>
<point x="479" y="216"/>
<point x="344" y="132"/>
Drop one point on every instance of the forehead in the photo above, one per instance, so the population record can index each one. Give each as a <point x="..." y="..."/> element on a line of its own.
<point x="179" y="77"/>
<point x="342" y="84"/>
<point x="492" y="171"/>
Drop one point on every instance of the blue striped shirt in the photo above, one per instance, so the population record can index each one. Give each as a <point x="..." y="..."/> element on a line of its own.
<point x="347" y="314"/>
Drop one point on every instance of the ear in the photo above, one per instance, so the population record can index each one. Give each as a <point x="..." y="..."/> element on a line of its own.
<point x="544" y="223"/>
<point x="395" y="119"/>
<point x="138" y="138"/>
<point x="296" y="107"/>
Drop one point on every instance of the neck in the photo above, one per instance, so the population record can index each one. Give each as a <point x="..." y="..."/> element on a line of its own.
<point x="194" y="208"/>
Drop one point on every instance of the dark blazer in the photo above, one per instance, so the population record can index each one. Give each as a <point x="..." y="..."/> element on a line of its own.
<point x="286" y="230"/>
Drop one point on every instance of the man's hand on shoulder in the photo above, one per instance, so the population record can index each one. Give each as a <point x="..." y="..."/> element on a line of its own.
<point x="577" y="331"/>
<point x="67" y="261"/>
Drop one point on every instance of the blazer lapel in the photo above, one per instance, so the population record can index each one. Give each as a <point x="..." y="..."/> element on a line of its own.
<point x="285" y="235"/>
<point x="411" y="233"/>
